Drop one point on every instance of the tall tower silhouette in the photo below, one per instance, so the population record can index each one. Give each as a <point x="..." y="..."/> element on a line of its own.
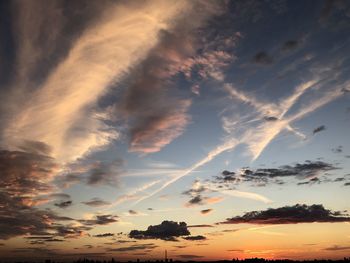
<point x="166" y="256"/>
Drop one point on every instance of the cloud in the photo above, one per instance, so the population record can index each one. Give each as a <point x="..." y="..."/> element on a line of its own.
<point x="148" y="246"/>
<point x="104" y="235"/>
<point x="270" y="118"/>
<point x="197" y="198"/>
<point x="154" y="113"/>
<point x="206" y="211"/>
<point x="95" y="173"/>
<point x="311" y="181"/>
<point x="197" y="188"/>
<point x="307" y="170"/>
<point x="64" y="204"/>
<point x="40" y="240"/>
<point x="262" y="58"/>
<point x="185" y="256"/>
<point x="203" y="200"/>
<point x="195" y="238"/>
<point x="100" y="220"/>
<point x="25" y="173"/>
<point x="105" y="173"/>
<point x="226" y="176"/>
<point x="338" y="149"/>
<point x="337" y="248"/>
<point x="35" y="147"/>
<point x="96" y="202"/>
<point x="63" y="109"/>
<point x="210" y="156"/>
<point x="290" y="45"/>
<point x="219" y="185"/>
<point x="257" y="139"/>
<point x="161" y="127"/>
<point x="290" y="215"/>
<point x="319" y="129"/>
<point x="25" y="183"/>
<point x="256" y="134"/>
<point x="18" y="218"/>
<point x="167" y="230"/>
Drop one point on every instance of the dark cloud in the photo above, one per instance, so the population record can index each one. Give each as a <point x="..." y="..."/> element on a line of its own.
<point x="189" y="256"/>
<point x="196" y="195"/>
<point x="345" y="90"/>
<point x="96" y="202"/>
<point x="26" y="173"/>
<point x="195" y="238"/>
<point x="133" y="212"/>
<point x="206" y="211"/>
<point x="226" y="176"/>
<point x="347" y="184"/>
<point x="339" y="179"/>
<point x="155" y="117"/>
<point x="196" y="200"/>
<point x="35" y="147"/>
<point x="26" y="182"/>
<point x="64" y="204"/>
<point x="290" y="45"/>
<point x="93" y="174"/>
<point x="311" y="181"/>
<point x="261" y="176"/>
<point x="262" y="58"/>
<point x="197" y="188"/>
<point x="88" y="246"/>
<point x="104" y="235"/>
<point x="105" y="173"/>
<point x="17" y="219"/>
<point x="270" y="118"/>
<point x="180" y="247"/>
<point x="338" y="149"/>
<point x="71" y="231"/>
<point x="100" y="220"/>
<point x="148" y="246"/>
<point x="167" y="230"/>
<point x="290" y="215"/>
<point x="319" y="129"/>
<point x="337" y="248"/>
<point x="45" y="241"/>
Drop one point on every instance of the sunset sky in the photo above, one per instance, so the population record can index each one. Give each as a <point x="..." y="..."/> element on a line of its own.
<point x="224" y="125"/>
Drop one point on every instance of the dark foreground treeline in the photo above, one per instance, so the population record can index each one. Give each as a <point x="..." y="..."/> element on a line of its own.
<point x="250" y="260"/>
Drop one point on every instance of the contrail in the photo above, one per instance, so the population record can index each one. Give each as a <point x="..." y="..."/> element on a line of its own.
<point x="231" y="144"/>
<point x="268" y="134"/>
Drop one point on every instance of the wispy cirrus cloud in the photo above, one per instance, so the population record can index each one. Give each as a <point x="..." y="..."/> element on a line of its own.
<point x="62" y="111"/>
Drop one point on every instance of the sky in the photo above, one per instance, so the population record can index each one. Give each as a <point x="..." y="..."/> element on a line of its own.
<point x="210" y="129"/>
